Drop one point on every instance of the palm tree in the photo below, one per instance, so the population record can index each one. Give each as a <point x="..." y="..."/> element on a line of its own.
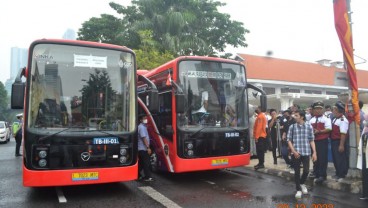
<point x="171" y="23"/>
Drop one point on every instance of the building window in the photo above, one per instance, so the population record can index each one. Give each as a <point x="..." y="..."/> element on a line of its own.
<point x="287" y="90"/>
<point x="269" y="90"/>
<point x="332" y="93"/>
<point x="294" y="90"/>
<point x="312" y="92"/>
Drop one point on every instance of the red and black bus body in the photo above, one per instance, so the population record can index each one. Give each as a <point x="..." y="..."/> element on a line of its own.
<point x="80" y="109"/>
<point x="184" y="142"/>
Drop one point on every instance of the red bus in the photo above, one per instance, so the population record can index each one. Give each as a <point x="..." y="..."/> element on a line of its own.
<point x="212" y="135"/>
<point x="80" y="112"/>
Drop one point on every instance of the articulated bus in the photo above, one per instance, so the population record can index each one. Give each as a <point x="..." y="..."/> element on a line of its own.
<point x="215" y="136"/>
<point x="80" y="111"/>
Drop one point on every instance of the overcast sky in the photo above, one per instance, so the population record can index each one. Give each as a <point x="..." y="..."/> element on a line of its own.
<point x="291" y="29"/>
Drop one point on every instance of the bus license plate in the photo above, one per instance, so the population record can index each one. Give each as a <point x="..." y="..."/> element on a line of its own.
<point x="223" y="161"/>
<point x="84" y="176"/>
<point x="106" y="140"/>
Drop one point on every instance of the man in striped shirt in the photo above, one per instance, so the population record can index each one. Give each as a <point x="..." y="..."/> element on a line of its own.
<point x="300" y="139"/>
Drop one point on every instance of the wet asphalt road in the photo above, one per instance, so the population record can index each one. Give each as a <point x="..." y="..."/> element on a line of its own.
<point x="223" y="188"/>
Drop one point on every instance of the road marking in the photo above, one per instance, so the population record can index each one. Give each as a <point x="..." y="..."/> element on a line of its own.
<point x="60" y="195"/>
<point x="158" y="197"/>
<point x="210" y="182"/>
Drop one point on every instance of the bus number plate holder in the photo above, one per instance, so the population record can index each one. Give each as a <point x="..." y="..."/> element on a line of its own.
<point x="106" y="140"/>
<point x="85" y="176"/>
<point x="222" y="161"/>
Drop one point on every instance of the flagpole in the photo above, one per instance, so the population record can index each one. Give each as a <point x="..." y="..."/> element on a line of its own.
<point x="354" y="130"/>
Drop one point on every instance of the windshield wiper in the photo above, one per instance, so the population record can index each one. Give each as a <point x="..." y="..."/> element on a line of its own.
<point x="50" y="135"/>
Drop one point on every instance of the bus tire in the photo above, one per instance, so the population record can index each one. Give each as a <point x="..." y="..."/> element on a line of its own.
<point x="154" y="161"/>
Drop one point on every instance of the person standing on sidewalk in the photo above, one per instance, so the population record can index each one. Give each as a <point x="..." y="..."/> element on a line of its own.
<point x="272" y="125"/>
<point x="300" y="139"/>
<point x="253" y="150"/>
<point x="18" y="135"/>
<point x="321" y="127"/>
<point x="144" y="150"/>
<point x="287" y="121"/>
<point x="340" y="126"/>
<point x="259" y="134"/>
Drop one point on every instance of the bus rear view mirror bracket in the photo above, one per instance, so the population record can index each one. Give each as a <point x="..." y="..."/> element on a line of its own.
<point x="263" y="97"/>
<point x="152" y="94"/>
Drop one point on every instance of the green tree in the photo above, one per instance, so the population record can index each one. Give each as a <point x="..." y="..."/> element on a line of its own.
<point x="108" y="29"/>
<point x="184" y="27"/>
<point x="148" y="57"/>
<point x="3" y="103"/>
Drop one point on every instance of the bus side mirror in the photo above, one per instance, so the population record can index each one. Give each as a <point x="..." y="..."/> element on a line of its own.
<point x="152" y="101"/>
<point x="180" y="103"/>
<point x="17" y="95"/>
<point x="264" y="103"/>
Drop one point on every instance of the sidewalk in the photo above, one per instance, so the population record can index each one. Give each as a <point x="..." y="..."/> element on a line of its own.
<point x="352" y="183"/>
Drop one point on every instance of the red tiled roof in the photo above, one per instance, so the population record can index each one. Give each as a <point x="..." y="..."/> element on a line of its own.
<point x="259" y="67"/>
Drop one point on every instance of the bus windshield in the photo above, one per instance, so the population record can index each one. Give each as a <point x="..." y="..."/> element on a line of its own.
<point x="78" y="86"/>
<point x="215" y="94"/>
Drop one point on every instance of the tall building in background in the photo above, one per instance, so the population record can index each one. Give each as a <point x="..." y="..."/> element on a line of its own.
<point x="70" y="34"/>
<point x="18" y="60"/>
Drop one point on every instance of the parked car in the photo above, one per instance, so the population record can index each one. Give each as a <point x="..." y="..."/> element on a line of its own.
<point x="4" y="132"/>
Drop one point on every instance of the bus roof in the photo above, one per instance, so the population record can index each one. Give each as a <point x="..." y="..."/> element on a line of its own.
<point x="80" y="42"/>
<point x="164" y="66"/>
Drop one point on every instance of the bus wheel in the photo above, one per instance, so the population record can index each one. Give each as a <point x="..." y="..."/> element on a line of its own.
<point x="154" y="161"/>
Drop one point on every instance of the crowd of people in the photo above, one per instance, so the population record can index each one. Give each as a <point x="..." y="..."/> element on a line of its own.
<point x="303" y="134"/>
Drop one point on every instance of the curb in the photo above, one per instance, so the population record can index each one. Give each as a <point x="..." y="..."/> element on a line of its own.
<point x="348" y="185"/>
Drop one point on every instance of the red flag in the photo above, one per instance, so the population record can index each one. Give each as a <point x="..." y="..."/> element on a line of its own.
<point x="168" y="81"/>
<point x="344" y="32"/>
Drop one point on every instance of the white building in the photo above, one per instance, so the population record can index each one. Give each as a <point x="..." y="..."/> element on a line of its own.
<point x="288" y="82"/>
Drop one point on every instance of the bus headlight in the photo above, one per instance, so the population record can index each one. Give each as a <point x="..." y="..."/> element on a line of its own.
<point x="123" y="151"/>
<point x="42" y="154"/>
<point x="123" y="159"/>
<point x="242" y="145"/>
<point x="42" y="163"/>
<point x="190" y="146"/>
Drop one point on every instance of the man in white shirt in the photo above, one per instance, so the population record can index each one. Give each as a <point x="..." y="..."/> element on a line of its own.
<point x="199" y="113"/>
<point x="340" y="126"/>
<point x="204" y="103"/>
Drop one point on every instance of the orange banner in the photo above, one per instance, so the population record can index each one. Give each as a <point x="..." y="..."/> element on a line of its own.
<point x="344" y="32"/>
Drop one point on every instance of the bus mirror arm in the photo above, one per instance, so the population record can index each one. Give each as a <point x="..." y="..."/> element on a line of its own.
<point x="263" y="96"/>
<point x="152" y="94"/>
<point x="147" y="81"/>
<point x="251" y="86"/>
<point x="177" y="87"/>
